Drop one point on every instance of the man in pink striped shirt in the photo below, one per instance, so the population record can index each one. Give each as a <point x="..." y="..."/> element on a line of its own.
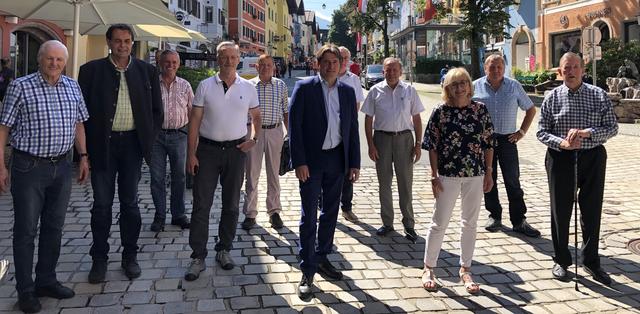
<point x="177" y="97"/>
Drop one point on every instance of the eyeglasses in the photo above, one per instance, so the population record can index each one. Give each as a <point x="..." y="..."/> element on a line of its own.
<point x="459" y="84"/>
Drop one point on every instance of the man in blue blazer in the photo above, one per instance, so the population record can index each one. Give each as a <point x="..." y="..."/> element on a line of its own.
<point x="323" y="130"/>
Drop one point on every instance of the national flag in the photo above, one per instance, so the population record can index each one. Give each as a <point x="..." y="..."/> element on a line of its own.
<point x="362" y="6"/>
<point x="429" y="11"/>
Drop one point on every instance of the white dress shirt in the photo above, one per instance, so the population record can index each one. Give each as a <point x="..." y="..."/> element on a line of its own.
<point x="393" y="109"/>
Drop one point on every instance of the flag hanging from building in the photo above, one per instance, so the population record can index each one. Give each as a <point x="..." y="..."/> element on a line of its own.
<point x="362" y="6"/>
<point x="358" y="41"/>
<point x="429" y="11"/>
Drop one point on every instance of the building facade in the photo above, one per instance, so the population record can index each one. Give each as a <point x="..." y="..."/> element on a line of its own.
<point x="20" y="40"/>
<point x="247" y="26"/>
<point x="208" y="17"/>
<point x="561" y="23"/>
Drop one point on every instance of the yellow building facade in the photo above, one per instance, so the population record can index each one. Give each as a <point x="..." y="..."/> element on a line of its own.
<point x="283" y="42"/>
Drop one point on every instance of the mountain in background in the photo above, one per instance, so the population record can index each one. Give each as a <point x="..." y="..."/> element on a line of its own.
<point x="322" y="23"/>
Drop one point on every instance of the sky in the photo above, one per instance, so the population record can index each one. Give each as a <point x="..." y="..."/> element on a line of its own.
<point x="316" y="5"/>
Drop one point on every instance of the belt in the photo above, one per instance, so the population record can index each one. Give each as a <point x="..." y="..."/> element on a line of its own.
<point x="271" y="126"/>
<point x="394" y="133"/>
<point x="224" y="144"/>
<point x="178" y="130"/>
<point x="333" y="149"/>
<point x="122" y="133"/>
<point x="53" y="159"/>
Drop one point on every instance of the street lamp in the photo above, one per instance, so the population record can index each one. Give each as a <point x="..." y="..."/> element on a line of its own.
<point x="324" y="6"/>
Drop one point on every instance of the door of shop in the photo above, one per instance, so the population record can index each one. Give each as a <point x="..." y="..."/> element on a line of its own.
<point x="25" y="54"/>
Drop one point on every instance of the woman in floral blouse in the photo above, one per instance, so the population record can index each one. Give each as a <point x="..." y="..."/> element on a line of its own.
<point x="458" y="138"/>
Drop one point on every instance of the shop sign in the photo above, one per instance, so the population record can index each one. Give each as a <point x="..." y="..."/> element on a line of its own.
<point x="598" y="14"/>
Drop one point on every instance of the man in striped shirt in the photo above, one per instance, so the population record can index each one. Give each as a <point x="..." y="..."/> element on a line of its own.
<point x="42" y="115"/>
<point x="273" y="100"/>
<point x="177" y="97"/>
<point x="576" y="119"/>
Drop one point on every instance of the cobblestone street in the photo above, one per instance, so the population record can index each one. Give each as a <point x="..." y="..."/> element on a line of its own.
<point x="382" y="274"/>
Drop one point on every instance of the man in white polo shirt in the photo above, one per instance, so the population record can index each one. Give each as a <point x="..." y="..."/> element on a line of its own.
<point x="393" y="110"/>
<point x="218" y="128"/>
<point x="352" y="80"/>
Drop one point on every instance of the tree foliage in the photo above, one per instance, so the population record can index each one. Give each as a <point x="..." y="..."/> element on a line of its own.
<point x="482" y="17"/>
<point x="339" y="32"/>
<point x="375" y="18"/>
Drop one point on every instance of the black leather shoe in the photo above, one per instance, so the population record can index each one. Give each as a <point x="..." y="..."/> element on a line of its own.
<point x="526" y="229"/>
<point x="411" y="234"/>
<point x="29" y="303"/>
<point x="182" y="222"/>
<point x="157" y="225"/>
<point x="98" y="271"/>
<point x="598" y="274"/>
<point x="305" y="286"/>
<point x="56" y="291"/>
<point x="560" y="272"/>
<point x="276" y="221"/>
<point x="493" y="225"/>
<point x="382" y="231"/>
<point x="131" y="268"/>
<point x="248" y="223"/>
<point x="326" y="269"/>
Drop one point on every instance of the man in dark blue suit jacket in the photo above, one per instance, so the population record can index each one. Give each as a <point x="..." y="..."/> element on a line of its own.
<point x="323" y="130"/>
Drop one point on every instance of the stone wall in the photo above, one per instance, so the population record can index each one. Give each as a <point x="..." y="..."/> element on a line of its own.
<point x="627" y="110"/>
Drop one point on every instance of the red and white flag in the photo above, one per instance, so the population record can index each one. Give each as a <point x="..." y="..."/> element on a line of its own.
<point x="358" y="41"/>
<point x="362" y="6"/>
<point x="429" y="11"/>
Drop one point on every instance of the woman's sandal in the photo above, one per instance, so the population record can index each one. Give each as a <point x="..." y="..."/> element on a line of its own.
<point x="469" y="284"/>
<point x="429" y="280"/>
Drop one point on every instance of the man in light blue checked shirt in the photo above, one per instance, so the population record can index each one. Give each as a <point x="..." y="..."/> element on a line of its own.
<point x="576" y="119"/>
<point x="43" y="115"/>
<point x="503" y="97"/>
<point x="274" y="110"/>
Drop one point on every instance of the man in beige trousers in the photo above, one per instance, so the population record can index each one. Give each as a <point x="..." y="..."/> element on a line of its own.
<point x="272" y="97"/>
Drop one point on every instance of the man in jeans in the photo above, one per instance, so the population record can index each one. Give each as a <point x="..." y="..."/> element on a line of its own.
<point x="43" y="114"/>
<point x="177" y="97"/>
<point x="503" y="96"/>
<point x="216" y="149"/>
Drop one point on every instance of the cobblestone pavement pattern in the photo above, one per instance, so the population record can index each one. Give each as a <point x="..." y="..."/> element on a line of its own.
<point x="382" y="274"/>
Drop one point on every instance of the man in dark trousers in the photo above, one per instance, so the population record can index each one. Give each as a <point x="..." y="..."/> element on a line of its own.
<point x="323" y="130"/>
<point x="42" y="117"/>
<point x="575" y="120"/>
<point x="125" y="108"/>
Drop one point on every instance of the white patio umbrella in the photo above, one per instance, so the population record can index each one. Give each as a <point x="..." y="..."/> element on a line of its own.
<point x="89" y="14"/>
<point x="155" y="32"/>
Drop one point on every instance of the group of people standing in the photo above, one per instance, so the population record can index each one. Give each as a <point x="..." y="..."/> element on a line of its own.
<point x="122" y="111"/>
